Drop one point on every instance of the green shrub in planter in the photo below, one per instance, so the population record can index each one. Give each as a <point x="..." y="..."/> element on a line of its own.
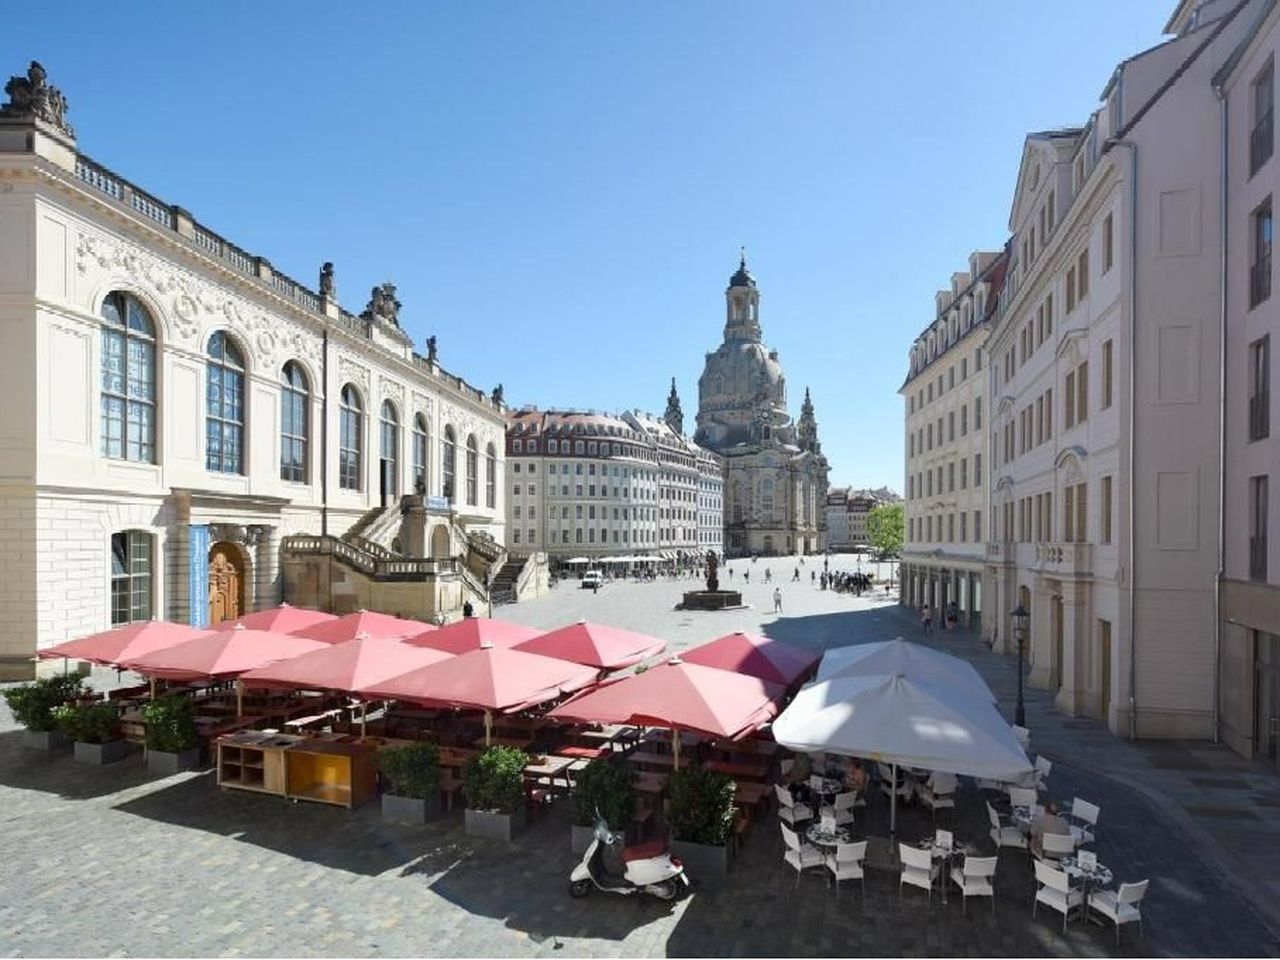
<point x="606" y="787"/>
<point x="701" y="806"/>
<point x="89" y="722"/>
<point x="171" y="724"/>
<point x="411" y="771"/>
<point x="32" y="705"/>
<point x="494" y="780"/>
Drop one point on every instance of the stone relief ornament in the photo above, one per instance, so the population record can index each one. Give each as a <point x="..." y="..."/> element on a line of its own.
<point x="348" y="370"/>
<point x="32" y="98"/>
<point x="422" y="403"/>
<point x="393" y="391"/>
<point x="383" y="305"/>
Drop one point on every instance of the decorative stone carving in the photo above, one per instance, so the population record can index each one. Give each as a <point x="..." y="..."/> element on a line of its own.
<point x="497" y="394"/>
<point x="433" y="355"/>
<point x="383" y="305"/>
<point x="423" y="404"/>
<point x="327" y="289"/>
<point x="393" y="391"/>
<point x="350" y="371"/>
<point x="32" y="98"/>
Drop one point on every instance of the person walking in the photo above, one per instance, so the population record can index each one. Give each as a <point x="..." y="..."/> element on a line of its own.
<point x="468" y="611"/>
<point x="777" y="599"/>
<point x="926" y="618"/>
<point x="813" y="577"/>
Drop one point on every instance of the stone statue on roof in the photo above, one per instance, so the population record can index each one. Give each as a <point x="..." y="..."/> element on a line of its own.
<point x="383" y="305"/>
<point x="31" y="97"/>
<point x="433" y="355"/>
<point x="497" y="394"/>
<point x="327" y="288"/>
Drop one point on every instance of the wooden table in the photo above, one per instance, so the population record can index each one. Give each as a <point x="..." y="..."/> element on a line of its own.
<point x="647" y="758"/>
<point x="551" y="769"/>
<point x="747" y="771"/>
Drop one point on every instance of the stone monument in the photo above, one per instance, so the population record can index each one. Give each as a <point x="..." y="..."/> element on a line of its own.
<point x="712" y="598"/>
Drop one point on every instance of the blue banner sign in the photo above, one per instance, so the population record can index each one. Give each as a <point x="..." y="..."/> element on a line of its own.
<point x="437" y="503"/>
<point x="198" y="574"/>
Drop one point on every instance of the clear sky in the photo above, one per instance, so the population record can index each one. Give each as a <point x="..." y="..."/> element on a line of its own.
<point x="560" y="189"/>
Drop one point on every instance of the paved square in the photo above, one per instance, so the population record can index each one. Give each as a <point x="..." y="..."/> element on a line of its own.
<point x="116" y="861"/>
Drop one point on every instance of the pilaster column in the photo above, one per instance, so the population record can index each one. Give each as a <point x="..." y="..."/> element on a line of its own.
<point x="264" y="543"/>
<point x="1075" y="680"/>
<point x="1040" y="641"/>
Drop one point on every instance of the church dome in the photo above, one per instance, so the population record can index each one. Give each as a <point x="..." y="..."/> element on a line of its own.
<point x="742" y="277"/>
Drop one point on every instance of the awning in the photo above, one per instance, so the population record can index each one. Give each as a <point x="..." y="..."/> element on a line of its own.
<point x="113" y="647"/>
<point x="344" y="666"/>
<point x="225" y="653"/>
<point x="473" y="633"/>
<point x="762" y="657"/>
<point x="366" y="623"/>
<point x="912" y="660"/>
<point x="596" y="645"/>
<point x="282" y="619"/>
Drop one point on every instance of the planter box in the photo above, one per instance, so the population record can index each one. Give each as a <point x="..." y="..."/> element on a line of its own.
<point x="493" y="826"/>
<point x="46" y="741"/>
<point x="702" y="862"/>
<point x="410" y="809"/>
<point x="161" y="761"/>
<point x="102" y="753"/>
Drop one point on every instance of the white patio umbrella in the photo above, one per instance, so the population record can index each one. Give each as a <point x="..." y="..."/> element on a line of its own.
<point x="900" y="721"/>
<point x="916" y="662"/>
<point x="577" y="560"/>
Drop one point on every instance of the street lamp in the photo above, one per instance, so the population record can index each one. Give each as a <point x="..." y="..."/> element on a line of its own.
<point x="1020" y="618"/>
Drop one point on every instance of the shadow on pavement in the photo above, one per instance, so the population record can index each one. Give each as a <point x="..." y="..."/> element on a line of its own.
<point x="59" y="774"/>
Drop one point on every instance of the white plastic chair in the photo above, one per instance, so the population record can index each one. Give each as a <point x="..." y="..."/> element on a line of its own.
<point x="788" y="810"/>
<point x="1055" y="846"/>
<point x="1084" y="820"/>
<point x="1023" y="796"/>
<point x="938" y="792"/>
<point x="976" y="878"/>
<point x="1022" y="735"/>
<point x="1055" y="892"/>
<point x="785" y="766"/>
<point x="887" y="785"/>
<point x="842" y="809"/>
<point x="1003" y="834"/>
<point x="1043" y="768"/>
<point x="800" y="856"/>
<point x="1121" y="906"/>
<point x="918" y="869"/>
<point x="847" y="864"/>
<point x="816" y="784"/>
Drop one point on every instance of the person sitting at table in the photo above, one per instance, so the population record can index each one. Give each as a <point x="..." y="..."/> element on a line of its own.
<point x="855" y="778"/>
<point x="797" y="777"/>
<point x="1047" y="822"/>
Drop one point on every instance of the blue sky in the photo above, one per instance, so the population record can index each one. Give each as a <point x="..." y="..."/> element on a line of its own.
<point x="559" y="189"/>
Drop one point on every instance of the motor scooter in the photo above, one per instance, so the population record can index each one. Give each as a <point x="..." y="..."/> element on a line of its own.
<point x="647" y="868"/>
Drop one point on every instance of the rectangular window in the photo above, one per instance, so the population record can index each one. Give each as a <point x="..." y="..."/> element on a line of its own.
<point x="1108" y="250"/>
<point x="131" y="565"/>
<point x="1082" y="392"/>
<point x="1260" y="270"/>
<point x="1048" y="316"/>
<point x="1262" y="137"/>
<point x="951" y="477"/>
<point x="1081" y="512"/>
<point x="1068" y="515"/>
<point x="1039" y="420"/>
<point x="1258" y="495"/>
<point x="964" y="474"/>
<point x="977" y="469"/>
<point x="1105" y="533"/>
<point x="964" y="421"/>
<point x="1048" y="414"/>
<point x="1082" y="274"/>
<point x="1260" y="389"/>
<point x="951" y="426"/>
<point x="977" y="413"/>
<point x="951" y="528"/>
<point x="515" y="533"/>
<point x="977" y="525"/>
<point x="1107" y="372"/>
<point x="1069" y="402"/>
<point x="1071" y="289"/>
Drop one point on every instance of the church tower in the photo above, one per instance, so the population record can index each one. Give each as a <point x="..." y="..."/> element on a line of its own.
<point x="674" y="416"/>
<point x="807" y="427"/>
<point x="742" y="305"/>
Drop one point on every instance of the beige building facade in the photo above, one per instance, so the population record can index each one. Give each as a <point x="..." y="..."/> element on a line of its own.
<point x="177" y="410"/>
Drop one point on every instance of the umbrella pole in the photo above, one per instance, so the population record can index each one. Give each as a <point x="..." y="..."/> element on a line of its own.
<point x="153" y="688"/>
<point x="893" y="805"/>
<point x="488" y="728"/>
<point x="364" y="715"/>
<point x="239" y="698"/>
<point x="675" y="746"/>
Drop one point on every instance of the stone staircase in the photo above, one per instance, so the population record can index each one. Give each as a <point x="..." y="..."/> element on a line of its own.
<point x="376" y="531"/>
<point x="502" y="589"/>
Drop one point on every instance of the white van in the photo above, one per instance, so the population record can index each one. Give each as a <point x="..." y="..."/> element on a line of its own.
<point x="592" y="580"/>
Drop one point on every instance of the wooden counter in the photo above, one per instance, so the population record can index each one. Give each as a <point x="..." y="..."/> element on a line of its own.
<point x="253" y="761"/>
<point x="299" y="768"/>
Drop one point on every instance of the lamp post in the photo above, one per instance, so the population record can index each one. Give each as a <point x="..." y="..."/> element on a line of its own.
<point x="1020" y="618"/>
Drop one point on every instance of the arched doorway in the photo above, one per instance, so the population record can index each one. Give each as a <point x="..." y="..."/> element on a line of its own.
<point x="226" y="583"/>
<point x="440" y="542"/>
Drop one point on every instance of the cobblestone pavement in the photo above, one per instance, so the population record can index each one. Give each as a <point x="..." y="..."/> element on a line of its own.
<point x="116" y="861"/>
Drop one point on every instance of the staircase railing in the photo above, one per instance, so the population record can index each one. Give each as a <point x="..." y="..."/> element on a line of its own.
<point x="390" y="567"/>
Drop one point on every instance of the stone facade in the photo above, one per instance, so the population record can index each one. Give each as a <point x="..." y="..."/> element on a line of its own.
<point x="129" y="461"/>
<point x="776" y="475"/>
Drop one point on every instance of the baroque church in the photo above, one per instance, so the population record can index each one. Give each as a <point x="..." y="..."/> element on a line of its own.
<point x="775" y="473"/>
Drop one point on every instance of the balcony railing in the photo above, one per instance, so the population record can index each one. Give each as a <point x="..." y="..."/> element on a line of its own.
<point x="1064" y="559"/>
<point x="1261" y="142"/>
<point x="1260" y="416"/>
<point x="1258" y="558"/>
<point x="1260" y="280"/>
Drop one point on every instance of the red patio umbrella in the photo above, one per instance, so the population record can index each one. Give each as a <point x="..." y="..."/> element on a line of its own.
<point x="682" y="696"/>
<point x="114" y="647"/>
<point x="595" y="645"/>
<point x="222" y="654"/>
<point x="367" y="622"/>
<point x="281" y="619"/>
<point x="763" y="657"/>
<point x="473" y="633"/>
<point x="489" y="679"/>
<point x="344" y="666"/>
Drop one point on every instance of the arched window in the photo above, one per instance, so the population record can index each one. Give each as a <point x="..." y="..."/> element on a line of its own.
<point x="390" y="449"/>
<point x="128" y="380"/>
<point x="421" y="444"/>
<point x="766" y="499"/>
<point x="350" y="444"/>
<point x="294" y="409"/>
<point x="490" y="477"/>
<point x="449" y="461"/>
<point x="131" y="565"/>
<point x="473" y="468"/>
<point x="224" y="406"/>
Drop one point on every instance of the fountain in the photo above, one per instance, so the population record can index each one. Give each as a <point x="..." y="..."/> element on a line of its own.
<point x="712" y="598"/>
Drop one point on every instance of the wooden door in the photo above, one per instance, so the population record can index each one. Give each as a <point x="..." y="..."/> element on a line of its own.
<point x="226" y="583"/>
<point x="1104" y="652"/>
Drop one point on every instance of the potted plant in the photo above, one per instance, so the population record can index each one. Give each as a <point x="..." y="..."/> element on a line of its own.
<point x="412" y="782"/>
<point x="493" y="783"/>
<point x="173" y="743"/>
<point x="700" y="815"/>
<point x="95" y="728"/>
<point x="603" y="788"/>
<point x="32" y="706"/>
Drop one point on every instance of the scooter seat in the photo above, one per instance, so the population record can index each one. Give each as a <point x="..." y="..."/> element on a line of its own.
<point x="644" y="851"/>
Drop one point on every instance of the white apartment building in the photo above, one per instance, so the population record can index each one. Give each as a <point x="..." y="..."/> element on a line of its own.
<point x="710" y="502"/>
<point x="1105" y="394"/>
<point x="944" y="396"/>
<point x="1249" y="605"/>
<point x="175" y="407"/>
<point x="584" y="483"/>
<point x="847" y="511"/>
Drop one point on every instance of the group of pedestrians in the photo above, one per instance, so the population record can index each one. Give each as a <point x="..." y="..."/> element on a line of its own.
<point x="950" y="617"/>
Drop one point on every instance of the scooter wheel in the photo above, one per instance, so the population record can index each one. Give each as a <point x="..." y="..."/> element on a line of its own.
<point x="668" y="890"/>
<point x="579" y="888"/>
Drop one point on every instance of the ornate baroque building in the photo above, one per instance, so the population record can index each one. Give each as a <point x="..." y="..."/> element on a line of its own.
<point x="178" y="412"/>
<point x="776" y="475"/>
